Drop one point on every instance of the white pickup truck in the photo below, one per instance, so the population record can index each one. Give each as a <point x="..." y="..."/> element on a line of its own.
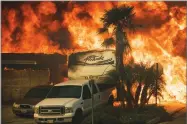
<point x="70" y="101"/>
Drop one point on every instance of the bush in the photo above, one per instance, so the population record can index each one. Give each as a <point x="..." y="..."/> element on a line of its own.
<point x="142" y="115"/>
<point x="112" y="115"/>
<point x="156" y="111"/>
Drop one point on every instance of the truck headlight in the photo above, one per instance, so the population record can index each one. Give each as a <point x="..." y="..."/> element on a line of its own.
<point x="33" y="107"/>
<point x="68" y="110"/>
<point x="16" y="105"/>
<point x="36" y="110"/>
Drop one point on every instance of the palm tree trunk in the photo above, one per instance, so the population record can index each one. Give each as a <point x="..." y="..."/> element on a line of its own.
<point x="118" y="88"/>
<point x="122" y="78"/>
<point x="117" y="69"/>
<point x="119" y="61"/>
<point x="147" y="100"/>
<point x="144" y="96"/>
<point x="137" y="94"/>
<point x="129" y="98"/>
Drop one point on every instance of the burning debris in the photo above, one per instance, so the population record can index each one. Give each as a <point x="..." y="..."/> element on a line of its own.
<point x="68" y="27"/>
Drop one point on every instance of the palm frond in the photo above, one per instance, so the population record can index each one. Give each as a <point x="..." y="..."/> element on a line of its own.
<point x="133" y="27"/>
<point x="159" y="94"/>
<point x="127" y="47"/>
<point x="115" y="15"/>
<point x="108" y="42"/>
<point x="102" y="30"/>
<point x="140" y="71"/>
<point x="112" y="77"/>
<point x="113" y="74"/>
<point x="129" y="73"/>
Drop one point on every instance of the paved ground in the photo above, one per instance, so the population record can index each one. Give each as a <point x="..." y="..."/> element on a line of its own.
<point x="173" y="106"/>
<point x="179" y="120"/>
<point x="179" y="112"/>
<point x="9" y="118"/>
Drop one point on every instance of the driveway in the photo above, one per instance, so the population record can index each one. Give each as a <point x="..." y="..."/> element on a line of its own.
<point x="179" y="112"/>
<point x="9" y="118"/>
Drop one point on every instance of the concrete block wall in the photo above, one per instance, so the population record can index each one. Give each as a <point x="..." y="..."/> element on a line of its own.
<point x="15" y="83"/>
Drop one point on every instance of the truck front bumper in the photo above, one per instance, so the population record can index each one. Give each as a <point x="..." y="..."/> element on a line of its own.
<point x="53" y="119"/>
<point x="19" y="111"/>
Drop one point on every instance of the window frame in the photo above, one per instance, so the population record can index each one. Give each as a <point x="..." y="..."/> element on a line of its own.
<point x="88" y="90"/>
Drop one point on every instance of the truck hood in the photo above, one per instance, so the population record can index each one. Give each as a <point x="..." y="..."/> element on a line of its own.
<point x="30" y="101"/>
<point x="57" y="101"/>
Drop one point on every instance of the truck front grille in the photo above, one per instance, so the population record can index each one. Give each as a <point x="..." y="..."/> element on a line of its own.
<point x="52" y="110"/>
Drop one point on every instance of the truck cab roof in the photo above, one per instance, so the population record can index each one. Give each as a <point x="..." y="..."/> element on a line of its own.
<point x="73" y="82"/>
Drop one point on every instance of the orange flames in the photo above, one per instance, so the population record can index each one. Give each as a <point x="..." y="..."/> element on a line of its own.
<point x="162" y="38"/>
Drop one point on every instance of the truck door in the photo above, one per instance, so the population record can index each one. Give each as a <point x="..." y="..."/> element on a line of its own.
<point x="86" y="99"/>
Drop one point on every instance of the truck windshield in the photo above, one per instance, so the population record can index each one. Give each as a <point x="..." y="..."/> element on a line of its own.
<point x="37" y="92"/>
<point x="68" y="91"/>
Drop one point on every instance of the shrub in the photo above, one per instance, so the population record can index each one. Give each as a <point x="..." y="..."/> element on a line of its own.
<point x="112" y="115"/>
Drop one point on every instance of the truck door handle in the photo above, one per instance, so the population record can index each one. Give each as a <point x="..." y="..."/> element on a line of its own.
<point x="81" y="103"/>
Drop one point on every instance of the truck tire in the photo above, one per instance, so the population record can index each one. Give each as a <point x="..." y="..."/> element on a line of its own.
<point x="111" y="100"/>
<point x="77" y="117"/>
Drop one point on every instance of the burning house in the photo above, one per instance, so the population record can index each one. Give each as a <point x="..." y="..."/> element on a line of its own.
<point x="68" y="27"/>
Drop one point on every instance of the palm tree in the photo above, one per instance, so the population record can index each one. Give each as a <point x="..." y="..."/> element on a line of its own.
<point x="140" y="73"/>
<point x="128" y="75"/>
<point x="112" y="77"/>
<point x="130" y="78"/>
<point x="121" y="19"/>
<point x="134" y="73"/>
<point x="149" y="88"/>
<point x="160" y="88"/>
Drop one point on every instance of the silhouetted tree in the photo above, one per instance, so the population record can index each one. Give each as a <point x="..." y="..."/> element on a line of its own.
<point x="120" y="19"/>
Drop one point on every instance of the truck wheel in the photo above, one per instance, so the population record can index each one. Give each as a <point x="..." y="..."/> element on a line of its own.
<point x="111" y="100"/>
<point x="77" y="117"/>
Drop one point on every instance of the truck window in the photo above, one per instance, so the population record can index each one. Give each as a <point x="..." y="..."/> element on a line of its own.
<point x="94" y="89"/>
<point x="67" y="91"/>
<point x="37" y="92"/>
<point x="86" y="92"/>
